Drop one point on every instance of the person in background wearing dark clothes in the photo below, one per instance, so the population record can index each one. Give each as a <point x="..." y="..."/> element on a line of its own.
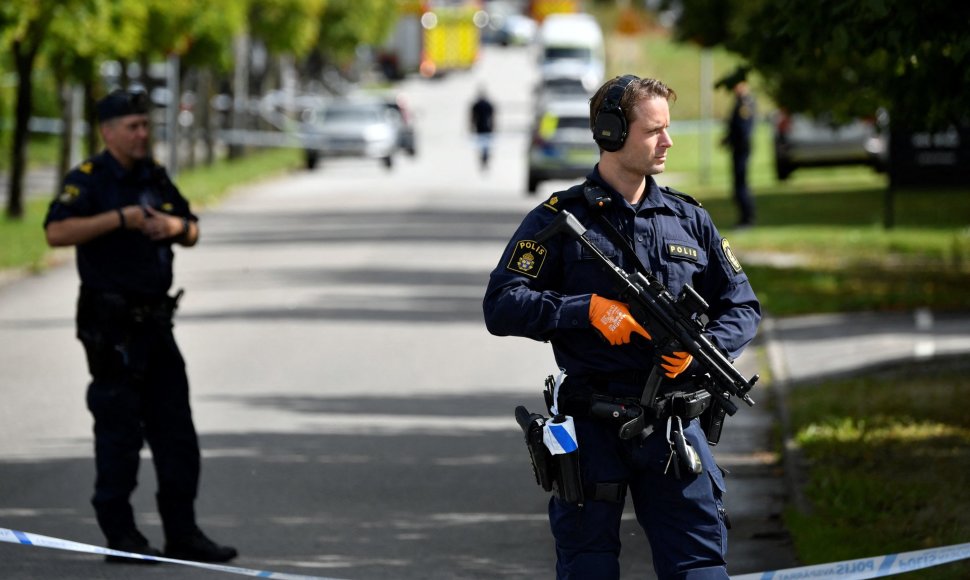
<point x="739" y="129"/>
<point x="483" y="124"/>
<point x="123" y="214"/>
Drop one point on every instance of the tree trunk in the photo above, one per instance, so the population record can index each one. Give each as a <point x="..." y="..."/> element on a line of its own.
<point x="24" y="56"/>
<point x="240" y="90"/>
<point x="204" y="109"/>
<point x="65" y="97"/>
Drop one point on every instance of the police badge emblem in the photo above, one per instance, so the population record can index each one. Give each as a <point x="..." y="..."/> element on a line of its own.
<point x="731" y="258"/>
<point x="527" y="258"/>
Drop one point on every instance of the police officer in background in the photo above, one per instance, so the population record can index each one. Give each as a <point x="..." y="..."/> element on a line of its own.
<point x="554" y="291"/>
<point x="123" y="214"/>
<point x="482" y="120"/>
<point x="738" y="137"/>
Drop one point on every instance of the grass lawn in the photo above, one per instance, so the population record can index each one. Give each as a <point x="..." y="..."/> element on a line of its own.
<point x="22" y="243"/>
<point x="889" y="459"/>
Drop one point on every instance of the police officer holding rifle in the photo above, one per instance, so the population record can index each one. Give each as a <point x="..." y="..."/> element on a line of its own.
<point x="645" y="306"/>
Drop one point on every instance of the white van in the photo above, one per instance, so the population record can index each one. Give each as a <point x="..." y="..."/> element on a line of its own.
<point x="571" y="46"/>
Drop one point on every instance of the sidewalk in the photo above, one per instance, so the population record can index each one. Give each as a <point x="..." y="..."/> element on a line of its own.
<point x="811" y="348"/>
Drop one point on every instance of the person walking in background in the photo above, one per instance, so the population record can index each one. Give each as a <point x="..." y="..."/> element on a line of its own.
<point x="123" y="214"/>
<point x="740" y="127"/>
<point x="554" y="290"/>
<point x="483" y="125"/>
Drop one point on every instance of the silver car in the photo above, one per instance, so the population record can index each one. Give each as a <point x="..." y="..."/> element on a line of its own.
<point x="803" y="141"/>
<point x="562" y="144"/>
<point x="351" y="128"/>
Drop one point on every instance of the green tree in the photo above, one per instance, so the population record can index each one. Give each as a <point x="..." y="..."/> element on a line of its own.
<point x="348" y="24"/>
<point x="25" y="24"/>
<point x="112" y="30"/>
<point x="848" y="57"/>
<point x="286" y="26"/>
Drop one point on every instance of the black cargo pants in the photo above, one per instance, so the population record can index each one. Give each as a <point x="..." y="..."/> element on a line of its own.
<point x="139" y="393"/>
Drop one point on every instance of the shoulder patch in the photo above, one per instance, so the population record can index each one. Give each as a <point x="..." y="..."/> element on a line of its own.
<point x="86" y="167"/>
<point x="69" y="194"/>
<point x="729" y="254"/>
<point x="552" y="203"/>
<point x="527" y="258"/>
<point x="556" y="200"/>
<point x="681" y="195"/>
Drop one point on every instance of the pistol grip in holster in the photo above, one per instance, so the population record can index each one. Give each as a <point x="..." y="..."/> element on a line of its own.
<point x="542" y="463"/>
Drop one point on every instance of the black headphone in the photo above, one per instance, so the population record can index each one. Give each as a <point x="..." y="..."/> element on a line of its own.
<point x="610" y="128"/>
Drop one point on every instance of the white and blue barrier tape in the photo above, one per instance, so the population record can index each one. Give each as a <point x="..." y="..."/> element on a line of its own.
<point x="860" y="569"/>
<point x="865" y="568"/>
<point x="28" y="539"/>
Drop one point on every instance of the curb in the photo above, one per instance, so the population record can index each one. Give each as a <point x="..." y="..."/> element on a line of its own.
<point x="793" y="462"/>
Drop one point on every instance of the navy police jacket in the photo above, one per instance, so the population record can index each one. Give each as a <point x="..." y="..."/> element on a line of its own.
<point x="123" y="261"/>
<point x="542" y="291"/>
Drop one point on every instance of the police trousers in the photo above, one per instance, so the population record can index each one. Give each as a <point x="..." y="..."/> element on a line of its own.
<point x="683" y="519"/>
<point x="742" y="192"/>
<point x="139" y="392"/>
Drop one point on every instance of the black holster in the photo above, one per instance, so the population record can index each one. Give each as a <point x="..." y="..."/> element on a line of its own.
<point x="556" y="473"/>
<point x="712" y="421"/>
<point x="117" y="330"/>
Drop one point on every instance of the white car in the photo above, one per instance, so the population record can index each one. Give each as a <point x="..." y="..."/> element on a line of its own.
<point x="351" y="128"/>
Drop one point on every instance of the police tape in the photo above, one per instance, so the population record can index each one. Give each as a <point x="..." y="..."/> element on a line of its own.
<point x="28" y="539"/>
<point x="864" y="568"/>
<point x="861" y="569"/>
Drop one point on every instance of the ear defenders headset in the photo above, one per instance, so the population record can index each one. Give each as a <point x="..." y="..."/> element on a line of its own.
<point x="610" y="127"/>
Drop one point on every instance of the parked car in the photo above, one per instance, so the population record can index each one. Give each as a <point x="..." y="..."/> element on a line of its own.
<point x="804" y="141"/>
<point x="355" y="127"/>
<point x="562" y="144"/>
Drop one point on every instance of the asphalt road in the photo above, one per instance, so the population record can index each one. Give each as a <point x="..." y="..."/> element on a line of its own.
<point x="355" y="415"/>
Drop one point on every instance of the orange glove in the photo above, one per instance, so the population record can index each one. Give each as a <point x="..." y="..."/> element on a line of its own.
<point x="613" y="320"/>
<point x="677" y="363"/>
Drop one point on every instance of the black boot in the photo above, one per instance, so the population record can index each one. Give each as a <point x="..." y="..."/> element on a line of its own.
<point x="133" y="542"/>
<point x="195" y="546"/>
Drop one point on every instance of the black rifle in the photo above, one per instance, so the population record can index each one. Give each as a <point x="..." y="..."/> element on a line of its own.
<point x="674" y="324"/>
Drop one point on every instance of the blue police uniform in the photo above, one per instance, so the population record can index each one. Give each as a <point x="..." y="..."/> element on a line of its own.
<point x="542" y="291"/>
<point x="139" y="390"/>
<point x="740" y="127"/>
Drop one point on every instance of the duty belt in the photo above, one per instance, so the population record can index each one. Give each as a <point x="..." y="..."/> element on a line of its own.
<point x="587" y="397"/>
<point x="132" y="307"/>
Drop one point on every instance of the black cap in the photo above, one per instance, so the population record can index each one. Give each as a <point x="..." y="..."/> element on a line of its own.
<point x="730" y="80"/>
<point x="119" y="103"/>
